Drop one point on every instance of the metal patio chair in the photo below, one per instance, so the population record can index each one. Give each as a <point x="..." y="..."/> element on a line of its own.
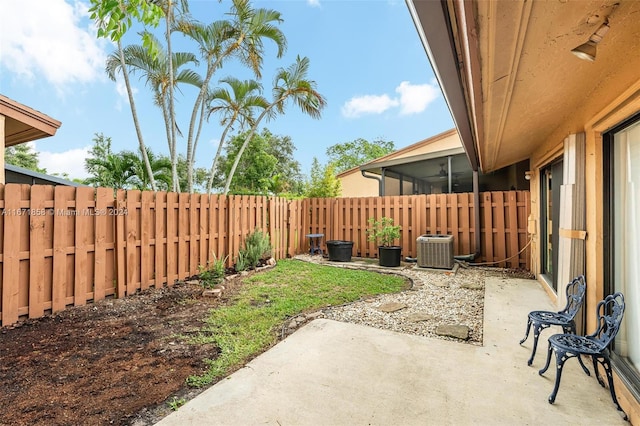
<point x="541" y="320"/>
<point x="609" y="313"/>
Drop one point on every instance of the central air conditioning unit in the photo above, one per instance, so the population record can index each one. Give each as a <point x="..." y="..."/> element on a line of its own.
<point x="435" y="251"/>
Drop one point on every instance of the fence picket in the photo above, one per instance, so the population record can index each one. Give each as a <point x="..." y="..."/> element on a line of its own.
<point x="36" y="255"/>
<point x="11" y="254"/>
<point x="160" y="238"/>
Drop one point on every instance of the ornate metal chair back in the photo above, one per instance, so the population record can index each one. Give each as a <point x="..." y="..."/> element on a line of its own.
<point x="576" y="290"/>
<point x="609" y="312"/>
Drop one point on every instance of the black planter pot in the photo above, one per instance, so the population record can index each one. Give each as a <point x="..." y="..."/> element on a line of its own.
<point x="339" y="251"/>
<point x="389" y="256"/>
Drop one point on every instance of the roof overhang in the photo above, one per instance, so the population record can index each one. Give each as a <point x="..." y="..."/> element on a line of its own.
<point x="508" y="75"/>
<point x="433" y="25"/>
<point x="24" y="124"/>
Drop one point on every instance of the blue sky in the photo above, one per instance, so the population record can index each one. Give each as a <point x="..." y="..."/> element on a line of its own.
<point x="366" y="58"/>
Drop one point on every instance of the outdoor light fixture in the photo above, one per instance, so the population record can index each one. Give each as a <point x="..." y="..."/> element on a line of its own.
<point x="528" y="174"/>
<point x="587" y="50"/>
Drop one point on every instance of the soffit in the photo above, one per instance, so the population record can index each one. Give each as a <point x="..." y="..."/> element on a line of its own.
<point x="24" y="124"/>
<point x="533" y="88"/>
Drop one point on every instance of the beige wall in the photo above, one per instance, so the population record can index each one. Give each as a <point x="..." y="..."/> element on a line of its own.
<point x="2" y="148"/>
<point x="623" y="107"/>
<point x="355" y="185"/>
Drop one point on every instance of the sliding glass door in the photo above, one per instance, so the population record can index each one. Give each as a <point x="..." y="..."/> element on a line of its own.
<point x="622" y="244"/>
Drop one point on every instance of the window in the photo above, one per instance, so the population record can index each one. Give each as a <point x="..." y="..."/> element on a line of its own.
<point x="551" y="180"/>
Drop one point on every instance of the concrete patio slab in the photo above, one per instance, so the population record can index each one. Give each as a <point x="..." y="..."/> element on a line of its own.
<point x="332" y="373"/>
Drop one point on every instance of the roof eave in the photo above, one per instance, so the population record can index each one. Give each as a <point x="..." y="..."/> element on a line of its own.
<point x="432" y="22"/>
<point x="39" y="125"/>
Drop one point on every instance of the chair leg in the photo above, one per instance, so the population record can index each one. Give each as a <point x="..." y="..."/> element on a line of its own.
<point x="546" y="364"/>
<point x="561" y="357"/>
<point x="537" y="329"/>
<point x="526" y="334"/>
<point x="607" y="370"/>
<point x="584" y="367"/>
<point x="597" y="371"/>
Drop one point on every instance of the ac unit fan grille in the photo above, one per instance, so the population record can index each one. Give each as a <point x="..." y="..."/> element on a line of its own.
<point x="435" y="251"/>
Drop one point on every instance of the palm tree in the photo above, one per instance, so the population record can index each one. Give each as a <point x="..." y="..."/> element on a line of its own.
<point x="120" y="63"/>
<point x="156" y="70"/>
<point x="241" y="37"/>
<point x="168" y="7"/>
<point x="113" y="19"/>
<point x="235" y="106"/>
<point x="289" y="84"/>
<point x="161" y="166"/>
<point x="115" y="170"/>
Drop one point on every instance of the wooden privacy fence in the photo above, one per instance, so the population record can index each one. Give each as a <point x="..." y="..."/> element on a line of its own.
<point x="63" y="246"/>
<point x="503" y="223"/>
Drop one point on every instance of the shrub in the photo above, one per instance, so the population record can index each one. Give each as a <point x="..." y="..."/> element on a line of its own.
<point x="256" y="248"/>
<point x="213" y="273"/>
<point x="383" y="231"/>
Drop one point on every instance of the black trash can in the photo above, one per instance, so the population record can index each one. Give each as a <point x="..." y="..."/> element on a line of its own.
<point x="339" y="251"/>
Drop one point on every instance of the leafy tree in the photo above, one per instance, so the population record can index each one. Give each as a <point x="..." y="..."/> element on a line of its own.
<point x="324" y="183"/>
<point x="289" y="84"/>
<point x="199" y="177"/>
<point x="347" y="155"/>
<point x="268" y="166"/>
<point x="22" y="156"/>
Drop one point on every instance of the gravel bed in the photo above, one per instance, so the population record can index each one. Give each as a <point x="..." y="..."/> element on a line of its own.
<point x="437" y="297"/>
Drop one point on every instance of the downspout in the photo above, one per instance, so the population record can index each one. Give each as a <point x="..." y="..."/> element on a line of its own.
<point x="450" y="173"/>
<point x="376" y="177"/>
<point x="476" y="210"/>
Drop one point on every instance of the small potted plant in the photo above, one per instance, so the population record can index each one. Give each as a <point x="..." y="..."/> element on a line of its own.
<point x="385" y="233"/>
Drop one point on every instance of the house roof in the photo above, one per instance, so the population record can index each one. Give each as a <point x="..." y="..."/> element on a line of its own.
<point x="508" y="74"/>
<point x="424" y="167"/>
<point x="34" y="177"/>
<point x="401" y="153"/>
<point x="24" y="124"/>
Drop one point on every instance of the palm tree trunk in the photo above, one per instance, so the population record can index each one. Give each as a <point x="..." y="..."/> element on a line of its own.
<point x="197" y="106"/>
<point x="134" y="113"/>
<point x="167" y="126"/>
<point x="172" y="113"/>
<point x="195" y="141"/>
<point x="245" y="144"/>
<point x="215" y="159"/>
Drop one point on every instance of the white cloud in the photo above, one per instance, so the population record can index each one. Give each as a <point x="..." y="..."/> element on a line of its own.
<point x="313" y="3"/>
<point x="50" y="39"/>
<point x="368" y="104"/>
<point x="70" y="162"/>
<point x="415" y="98"/>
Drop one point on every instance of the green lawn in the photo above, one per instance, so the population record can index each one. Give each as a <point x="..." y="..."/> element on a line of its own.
<point x="249" y="325"/>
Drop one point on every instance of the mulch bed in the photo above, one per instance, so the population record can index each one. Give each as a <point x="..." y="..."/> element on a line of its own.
<point x="119" y="361"/>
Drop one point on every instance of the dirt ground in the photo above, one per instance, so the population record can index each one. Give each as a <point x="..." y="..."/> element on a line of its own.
<point x="115" y="362"/>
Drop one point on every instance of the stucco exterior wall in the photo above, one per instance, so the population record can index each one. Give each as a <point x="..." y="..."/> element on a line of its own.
<point x="355" y="185"/>
<point x="624" y="106"/>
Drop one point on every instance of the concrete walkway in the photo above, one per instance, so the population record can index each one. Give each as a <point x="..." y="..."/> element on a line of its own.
<point x="332" y="373"/>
